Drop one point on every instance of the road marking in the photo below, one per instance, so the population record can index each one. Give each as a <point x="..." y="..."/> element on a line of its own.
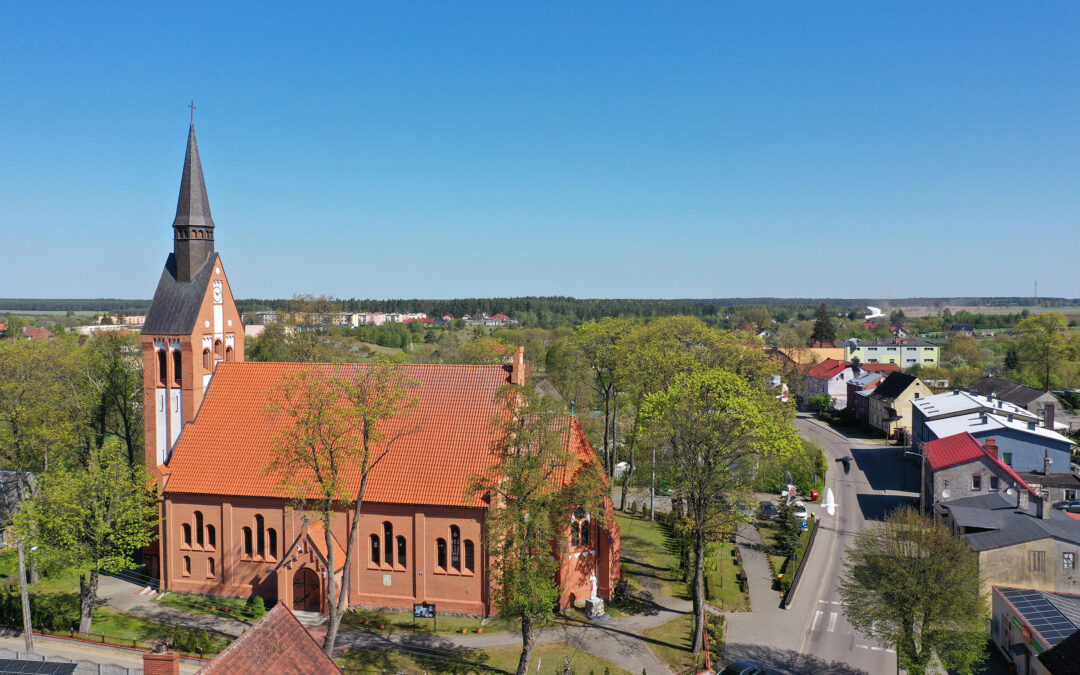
<point x="875" y="649"/>
<point x="817" y="617"/>
<point x="861" y="647"/>
<point x="832" y="622"/>
<point x="835" y="602"/>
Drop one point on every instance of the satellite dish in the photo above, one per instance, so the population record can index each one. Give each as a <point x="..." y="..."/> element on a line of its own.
<point x="1010" y="492"/>
<point x="945" y="494"/>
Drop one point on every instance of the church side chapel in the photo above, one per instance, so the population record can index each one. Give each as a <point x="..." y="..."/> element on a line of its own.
<point x="228" y="527"/>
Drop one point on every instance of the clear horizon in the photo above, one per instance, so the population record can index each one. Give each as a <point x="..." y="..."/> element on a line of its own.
<point x="606" y="151"/>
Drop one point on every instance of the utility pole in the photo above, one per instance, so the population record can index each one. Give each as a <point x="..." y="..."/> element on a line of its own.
<point x="28" y="631"/>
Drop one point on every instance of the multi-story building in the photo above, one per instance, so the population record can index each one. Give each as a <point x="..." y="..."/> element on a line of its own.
<point x="904" y="352"/>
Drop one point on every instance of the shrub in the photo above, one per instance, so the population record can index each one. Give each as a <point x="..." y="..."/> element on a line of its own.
<point x="256" y="607"/>
<point x="714" y="626"/>
<point x="632" y="509"/>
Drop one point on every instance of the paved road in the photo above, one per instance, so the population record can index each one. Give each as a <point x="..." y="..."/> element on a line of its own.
<point x="812" y="635"/>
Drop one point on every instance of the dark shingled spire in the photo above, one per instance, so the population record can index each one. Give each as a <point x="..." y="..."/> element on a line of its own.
<point x="193" y="227"/>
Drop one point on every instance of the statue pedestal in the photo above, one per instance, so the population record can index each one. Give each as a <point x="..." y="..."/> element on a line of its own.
<point x="594" y="607"/>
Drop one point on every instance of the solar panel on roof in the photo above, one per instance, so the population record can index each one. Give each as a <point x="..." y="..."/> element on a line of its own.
<point x="20" y="667"/>
<point x="1042" y="614"/>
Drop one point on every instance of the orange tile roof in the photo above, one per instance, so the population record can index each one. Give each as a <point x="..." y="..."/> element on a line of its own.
<point x="277" y="644"/>
<point x="225" y="450"/>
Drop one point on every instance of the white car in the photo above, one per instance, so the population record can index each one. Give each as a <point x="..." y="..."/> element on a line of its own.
<point x="798" y="507"/>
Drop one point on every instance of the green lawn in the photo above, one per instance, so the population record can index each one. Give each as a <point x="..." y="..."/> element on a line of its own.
<point x="395" y="620"/>
<point x="673" y="644"/>
<point x="725" y="590"/>
<point x="550" y="657"/>
<point x="214" y="605"/>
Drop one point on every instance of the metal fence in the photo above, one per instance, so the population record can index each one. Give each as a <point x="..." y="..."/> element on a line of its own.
<point x="82" y="667"/>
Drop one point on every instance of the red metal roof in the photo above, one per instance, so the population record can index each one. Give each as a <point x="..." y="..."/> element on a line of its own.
<point x="961" y="448"/>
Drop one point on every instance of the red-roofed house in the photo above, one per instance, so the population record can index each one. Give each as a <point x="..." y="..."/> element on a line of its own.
<point x="228" y="526"/>
<point x="35" y="333"/>
<point x="832" y="375"/>
<point x="960" y="466"/>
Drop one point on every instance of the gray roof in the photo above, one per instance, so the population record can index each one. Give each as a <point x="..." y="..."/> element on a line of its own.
<point x="1066" y="480"/>
<point x="1020" y="394"/>
<point x="894" y="385"/>
<point x="1015" y="525"/>
<point x="176" y="304"/>
<point x="1054" y="616"/>
<point x="193" y="206"/>
<point x="973" y="516"/>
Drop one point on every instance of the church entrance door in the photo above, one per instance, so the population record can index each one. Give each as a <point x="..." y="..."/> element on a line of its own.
<point x="305" y="589"/>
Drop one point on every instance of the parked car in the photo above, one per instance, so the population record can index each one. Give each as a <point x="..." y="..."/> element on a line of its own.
<point x="798" y="507"/>
<point x="745" y="668"/>
<point x="769" y="511"/>
<point x="1069" y="505"/>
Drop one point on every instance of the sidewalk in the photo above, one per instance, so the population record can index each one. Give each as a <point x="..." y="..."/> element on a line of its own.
<point x="126" y="597"/>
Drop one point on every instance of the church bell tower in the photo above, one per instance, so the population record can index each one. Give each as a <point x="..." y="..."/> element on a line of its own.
<point x="193" y="323"/>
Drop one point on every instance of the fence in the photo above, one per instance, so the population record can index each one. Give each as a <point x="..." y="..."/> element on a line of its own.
<point x="81" y="668"/>
<point x="790" y="595"/>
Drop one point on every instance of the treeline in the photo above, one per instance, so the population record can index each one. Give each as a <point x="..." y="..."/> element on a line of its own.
<point x="113" y="305"/>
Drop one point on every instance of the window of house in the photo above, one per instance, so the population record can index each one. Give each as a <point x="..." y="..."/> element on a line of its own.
<point x="575" y="535"/>
<point x="994" y="482"/>
<point x="469" y="559"/>
<point x="176" y="369"/>
<point x="376" y="557"/>
<point x="187" y="566"/>
<point x="1070" y="495"/>
<point x="388" y="537"/>
<point x="1068" y="560"/>
<point x="211" y="536"/>
<point x="402" y="558"/>
<point x="1007" y="458"/>
<point x="206" y="360"/>
<point x="271" y="540"/>
<point x="455" y="547"/>
<point x="210" y="568"/>
<point x="163" y="367"/>
<point x="199" y="528"/>
<point x="260" y="538"/>
<point x="186" y="537"/>
<point x="1037" y="560"/>
<point x="976" y="481"/>
<point x="440" y="553"/>
<point x="247" y="541"/>
<point x="585" y="527"/>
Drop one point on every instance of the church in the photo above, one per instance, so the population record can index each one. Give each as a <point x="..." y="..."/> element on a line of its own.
<point x="227" y="527"/>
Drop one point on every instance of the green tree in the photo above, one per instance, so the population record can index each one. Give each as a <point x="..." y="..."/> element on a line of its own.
<point x="908" y="582"/>
<point x="90" y="519"/>
<point x="824" y="328"/>
<point x="334" y="429"/>
<point x="1042" y="340"/>
<point x="961" y="350"/>
<point x="530" y="506"/>
<point x="712" y="426"/>
<point x="113" y="378"/>
<point x="597" y="343"/>
<point x="1012" y="359"/>
<point x="789" y="528"/>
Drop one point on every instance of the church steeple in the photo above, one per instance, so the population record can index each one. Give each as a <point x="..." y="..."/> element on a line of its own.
<point x="193" y="227"/>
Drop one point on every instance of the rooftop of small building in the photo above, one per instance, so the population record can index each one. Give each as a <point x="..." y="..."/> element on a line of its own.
<point x="979" y="422"/>
<point x="1006" y="524"/>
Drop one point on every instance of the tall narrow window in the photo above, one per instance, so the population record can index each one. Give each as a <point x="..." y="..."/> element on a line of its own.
<point x="217" y="349"/>
<point x="207" y="362"/>
<point x="163" y="367"/>
<point x="187" y="566"/>
<point x="271" y="538"/>
<point x="388" y="538"/>
<point x="186" y="529"/>
<point x="260" y="538"/>
<point x="228" y="354"/>
<point x="575" y="538"/>
<point x="375" y="557"/>
<point x="211" y="536"/>
<point x="402" y="559"/>
<point x="247" y="541"/>
<point x="210" y="568"/>
<point x="177" y="371"/>
<point x="440" y="553"/>
<point x="198" y="528"/>
<point x="469" y="560"/>
<point x="455" y="547"/>
<point x="586" y="526"/>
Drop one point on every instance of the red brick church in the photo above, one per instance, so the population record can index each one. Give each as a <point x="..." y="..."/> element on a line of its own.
<point x="228" y="528"/>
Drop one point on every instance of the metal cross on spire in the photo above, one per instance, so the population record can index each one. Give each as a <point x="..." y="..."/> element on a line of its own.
<point x="192" y="106"/>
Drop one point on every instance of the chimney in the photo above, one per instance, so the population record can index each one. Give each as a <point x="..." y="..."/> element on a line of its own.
<point x="1046" y="462"/>
<point x="1032" y="426"/>
<point x="161" y="662"/>
<point x="1011" y="417"/>
<point x="990" y="397"/>
<point x="517" y="367"/>
<point x="955" y="392"/>
<point x="1049" y="416"/>
<point x="983" y="418"/>
<point x="1044" y="508"/>
<point x="990" y="445"/>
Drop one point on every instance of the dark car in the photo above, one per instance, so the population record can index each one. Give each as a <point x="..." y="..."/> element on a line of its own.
<point x="745" y="668"/>
<point x="1070" y="505"/>
<point x="768" y="511"/>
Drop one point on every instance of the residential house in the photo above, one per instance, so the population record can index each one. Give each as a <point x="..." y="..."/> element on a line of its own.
<point x="858" y="392"/>
<point x="890" y="404"/>
<point x="805" y="356"/>
<point x="899" y="331"/>
<point x="36" y="333"/>
<point x="1038" y="401"/>
<point x="1055" y="487"/>
<point x="961" y="466"/>
<point x="904" y="352"/>
<point x="963" y="329"/>
<point x="831" y="377"/>
<point x="1038" y="632"/>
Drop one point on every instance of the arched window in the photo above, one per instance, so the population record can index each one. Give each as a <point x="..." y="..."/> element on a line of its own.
<point x="469" y="559"/>
<point x="260" y="539"/>
<point x="207" y="362"/>
<point x="217" y="349"/>
<point x="388" y="539"/>
<point x="210" y="568"/>
<point x="187" y="566"/>
<point x="177" y="371"/>
<point x="376" y="558"/>
<point x="440" y="553"/>
<point x="575" y="538"/>
<point x="228" y="353"/>
<point x="402" y="559"/>
<point x="247" y="541"/>
<point x="186" y="529"/>
<point x="586" y="528"/>
<point x="271" y="536"/>
<point x="211" y="536"/>
<point x="163" y="367"/>
<point x="455" y="547"/>
<point x="198" y="528"/>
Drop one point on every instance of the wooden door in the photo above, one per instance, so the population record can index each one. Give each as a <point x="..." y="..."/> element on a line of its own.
<point x="306" y="596"/>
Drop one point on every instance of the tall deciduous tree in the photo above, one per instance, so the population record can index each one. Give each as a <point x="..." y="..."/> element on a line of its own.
<point x="824" y="327"/>
<point x="534" y="486"/>
<point x="334" y="429"/>
<point x="910" y="583"/>
<point x="90" y="519"/>
<point x="1042" y="341"/>
<point x="713" y="426"/>
<point x="597" y="344"/>
<point x="113" y="374"/>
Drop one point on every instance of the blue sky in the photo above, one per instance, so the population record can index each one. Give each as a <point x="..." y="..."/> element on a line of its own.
<point x="591" y="149"/>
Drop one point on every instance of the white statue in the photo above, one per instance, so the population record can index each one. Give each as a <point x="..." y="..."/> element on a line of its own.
<point x="592" y="580"/>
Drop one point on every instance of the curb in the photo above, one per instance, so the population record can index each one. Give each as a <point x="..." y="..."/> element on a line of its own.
<point x="790" y="596"/>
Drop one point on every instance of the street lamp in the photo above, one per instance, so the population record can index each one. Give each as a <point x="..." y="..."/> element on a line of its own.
<point x="24" y="590"/>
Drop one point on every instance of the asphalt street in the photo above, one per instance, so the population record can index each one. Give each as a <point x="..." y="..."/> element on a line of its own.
<point x="812" y="635"/>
